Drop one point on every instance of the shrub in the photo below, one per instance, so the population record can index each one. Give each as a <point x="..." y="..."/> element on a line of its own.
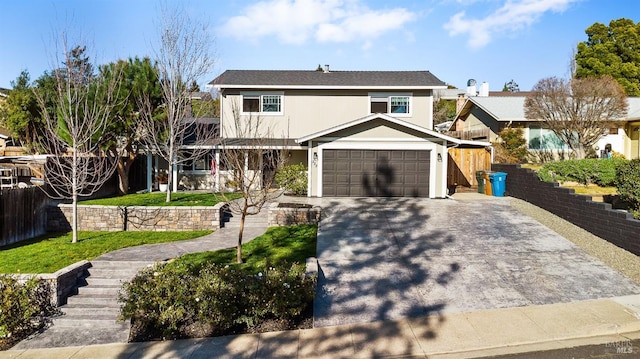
<point x="170" y="299"/>
<point x="293" y="178"/>
<point x="24" y="307"/>
<point x="599" y="171"/>
<point x="513" y="146"/>
<point x="627" y="180"/>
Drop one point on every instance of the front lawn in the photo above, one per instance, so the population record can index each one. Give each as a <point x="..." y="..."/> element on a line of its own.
<point x="49" y="253"/>
<point x="159" y="199"/>
<point x="278" y="246"/>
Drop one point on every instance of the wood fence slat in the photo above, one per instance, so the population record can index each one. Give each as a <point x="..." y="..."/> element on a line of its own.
<point x="463" y="164"/>
<point x="23" y="214"/>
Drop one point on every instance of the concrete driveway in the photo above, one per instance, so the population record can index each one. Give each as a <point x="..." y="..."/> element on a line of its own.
<point x="384" y="259"/>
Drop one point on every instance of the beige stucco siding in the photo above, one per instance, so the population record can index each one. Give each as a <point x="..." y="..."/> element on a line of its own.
<point x="306" y="112"/>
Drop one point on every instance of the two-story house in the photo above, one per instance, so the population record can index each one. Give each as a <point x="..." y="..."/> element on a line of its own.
<point x="360" y="133"/>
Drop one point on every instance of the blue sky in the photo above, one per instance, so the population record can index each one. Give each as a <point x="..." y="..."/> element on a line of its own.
<point x="487" y="40"/>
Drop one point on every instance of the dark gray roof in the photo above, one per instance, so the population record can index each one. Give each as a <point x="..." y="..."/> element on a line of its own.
<point x="295" y="78"/>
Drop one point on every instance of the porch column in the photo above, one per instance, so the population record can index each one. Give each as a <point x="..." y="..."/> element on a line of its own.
<point x="149" y="172"/>
<point x="174" y="169"/>
<point x="216" y="186"/>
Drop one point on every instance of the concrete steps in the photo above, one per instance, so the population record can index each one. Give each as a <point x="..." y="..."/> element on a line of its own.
<point x="96" y="306"/>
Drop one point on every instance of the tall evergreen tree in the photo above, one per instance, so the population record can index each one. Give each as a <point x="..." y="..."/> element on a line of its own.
<point x="612" y="50"/>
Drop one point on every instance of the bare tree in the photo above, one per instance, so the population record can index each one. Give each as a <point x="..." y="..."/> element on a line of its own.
<point x="251" y="160"/>
<point x="184" y="56"/>
<point x="75" y="125"/>
<point x="578" y="111"/>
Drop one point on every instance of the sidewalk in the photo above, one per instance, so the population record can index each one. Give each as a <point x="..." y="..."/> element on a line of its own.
<point x="608" y="322"/>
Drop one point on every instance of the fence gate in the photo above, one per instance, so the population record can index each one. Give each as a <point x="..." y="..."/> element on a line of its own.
<point x="463" y="164"/>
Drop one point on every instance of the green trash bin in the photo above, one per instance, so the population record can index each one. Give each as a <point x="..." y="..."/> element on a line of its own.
<point x="480" y="179"/>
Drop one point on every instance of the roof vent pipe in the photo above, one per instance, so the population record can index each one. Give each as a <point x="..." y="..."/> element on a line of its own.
<point x="326" y="69"/>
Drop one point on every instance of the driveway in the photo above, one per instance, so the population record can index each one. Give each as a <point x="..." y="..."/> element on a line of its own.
<point x="384" y="259"/>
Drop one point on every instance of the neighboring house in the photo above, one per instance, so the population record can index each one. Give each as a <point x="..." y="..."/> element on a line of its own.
<point x="482" y="118"/>
<point x="360" y="133"/>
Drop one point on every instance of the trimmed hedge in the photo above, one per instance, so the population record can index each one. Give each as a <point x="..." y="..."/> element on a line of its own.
<point x="592" y="170"/>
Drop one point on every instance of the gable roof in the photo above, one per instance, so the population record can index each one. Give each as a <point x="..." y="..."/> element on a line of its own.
<point x="511" y="108"/>
<point x="501" y="108"/>
<point x="298" y="79"/>
<point x="392" y="120"/>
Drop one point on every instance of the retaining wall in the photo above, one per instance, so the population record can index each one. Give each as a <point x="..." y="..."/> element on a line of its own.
<point x="615" y="226"/>
<point x="63" y="283"/>
<point x="286" y="216"/>
<point x="135" y="218"/>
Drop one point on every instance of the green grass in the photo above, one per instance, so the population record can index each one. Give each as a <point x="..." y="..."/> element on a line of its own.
<point x="50" y="253"/>
<point x="592" y="189"/>
<point x="277" y="246"/>
<point x="158" y="199"/>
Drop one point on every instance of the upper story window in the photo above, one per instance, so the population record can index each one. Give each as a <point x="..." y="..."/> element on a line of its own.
<point x="394" y="104"/>
<point x="266" y="103"/>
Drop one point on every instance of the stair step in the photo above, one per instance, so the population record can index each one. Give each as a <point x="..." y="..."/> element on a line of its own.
<point x="93" y="306"/>
<point x="96" y="301"/>
<point x="99" y="291"/>
<point x="103" y="282"/>
<point x="112" y="273"/>
<point x="119" y="264"/>
<point x="88" y="322"/>
<point x="113" y="312"/>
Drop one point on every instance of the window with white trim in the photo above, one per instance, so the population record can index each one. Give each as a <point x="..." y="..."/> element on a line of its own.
<point x="393" y="104"/>
<point x="199" y="164"/>
<point x="262" y="103"/>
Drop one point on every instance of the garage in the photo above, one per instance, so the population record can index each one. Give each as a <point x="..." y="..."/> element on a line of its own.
<point x="375" y="173"/>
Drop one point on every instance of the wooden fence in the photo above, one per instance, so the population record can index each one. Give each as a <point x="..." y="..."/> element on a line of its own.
<point x="463" y="164"/>
<point x="473" y="135"/>
<point x="23" y="214"/>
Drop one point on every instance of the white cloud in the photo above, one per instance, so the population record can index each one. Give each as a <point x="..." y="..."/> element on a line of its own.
<point x="297" y="21"/>
<point x="512" y="16"/>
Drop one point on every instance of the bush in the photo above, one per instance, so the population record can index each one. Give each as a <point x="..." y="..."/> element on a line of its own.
<point x="24" y="307"/>
<point x="599" y="171"/>
<point x="223" y="299"/>
<point x="513" y="146"/>
<point x="293" y="178"/>
<point x="627" y="180"/>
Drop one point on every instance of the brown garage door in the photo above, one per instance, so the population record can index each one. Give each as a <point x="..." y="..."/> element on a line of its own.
<point x="375" y="173"/>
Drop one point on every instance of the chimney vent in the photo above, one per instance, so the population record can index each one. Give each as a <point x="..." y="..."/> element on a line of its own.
<point x="326" y="69"/>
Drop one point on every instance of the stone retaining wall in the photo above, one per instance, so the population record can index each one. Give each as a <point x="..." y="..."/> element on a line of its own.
<point x="63" y="283"/>
<point x="135" y="218"/>
<point x="617" y="227"/>
<point x="286" y="216"/>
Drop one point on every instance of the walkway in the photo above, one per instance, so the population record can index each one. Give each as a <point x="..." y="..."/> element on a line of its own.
<point x="90" y="317"/>
<point x="609" y="323"/>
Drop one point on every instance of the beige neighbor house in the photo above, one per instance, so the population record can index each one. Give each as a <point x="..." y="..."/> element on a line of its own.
<point x="483" y="117"/>
<point x="360" y="133"/>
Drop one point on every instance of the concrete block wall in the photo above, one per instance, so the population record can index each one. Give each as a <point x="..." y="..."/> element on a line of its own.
<point x="135" y="218"/>
<point x="617" y="227"/>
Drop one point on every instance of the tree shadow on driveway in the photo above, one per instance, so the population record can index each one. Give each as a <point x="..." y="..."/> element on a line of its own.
<point x="368" y="253"/>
